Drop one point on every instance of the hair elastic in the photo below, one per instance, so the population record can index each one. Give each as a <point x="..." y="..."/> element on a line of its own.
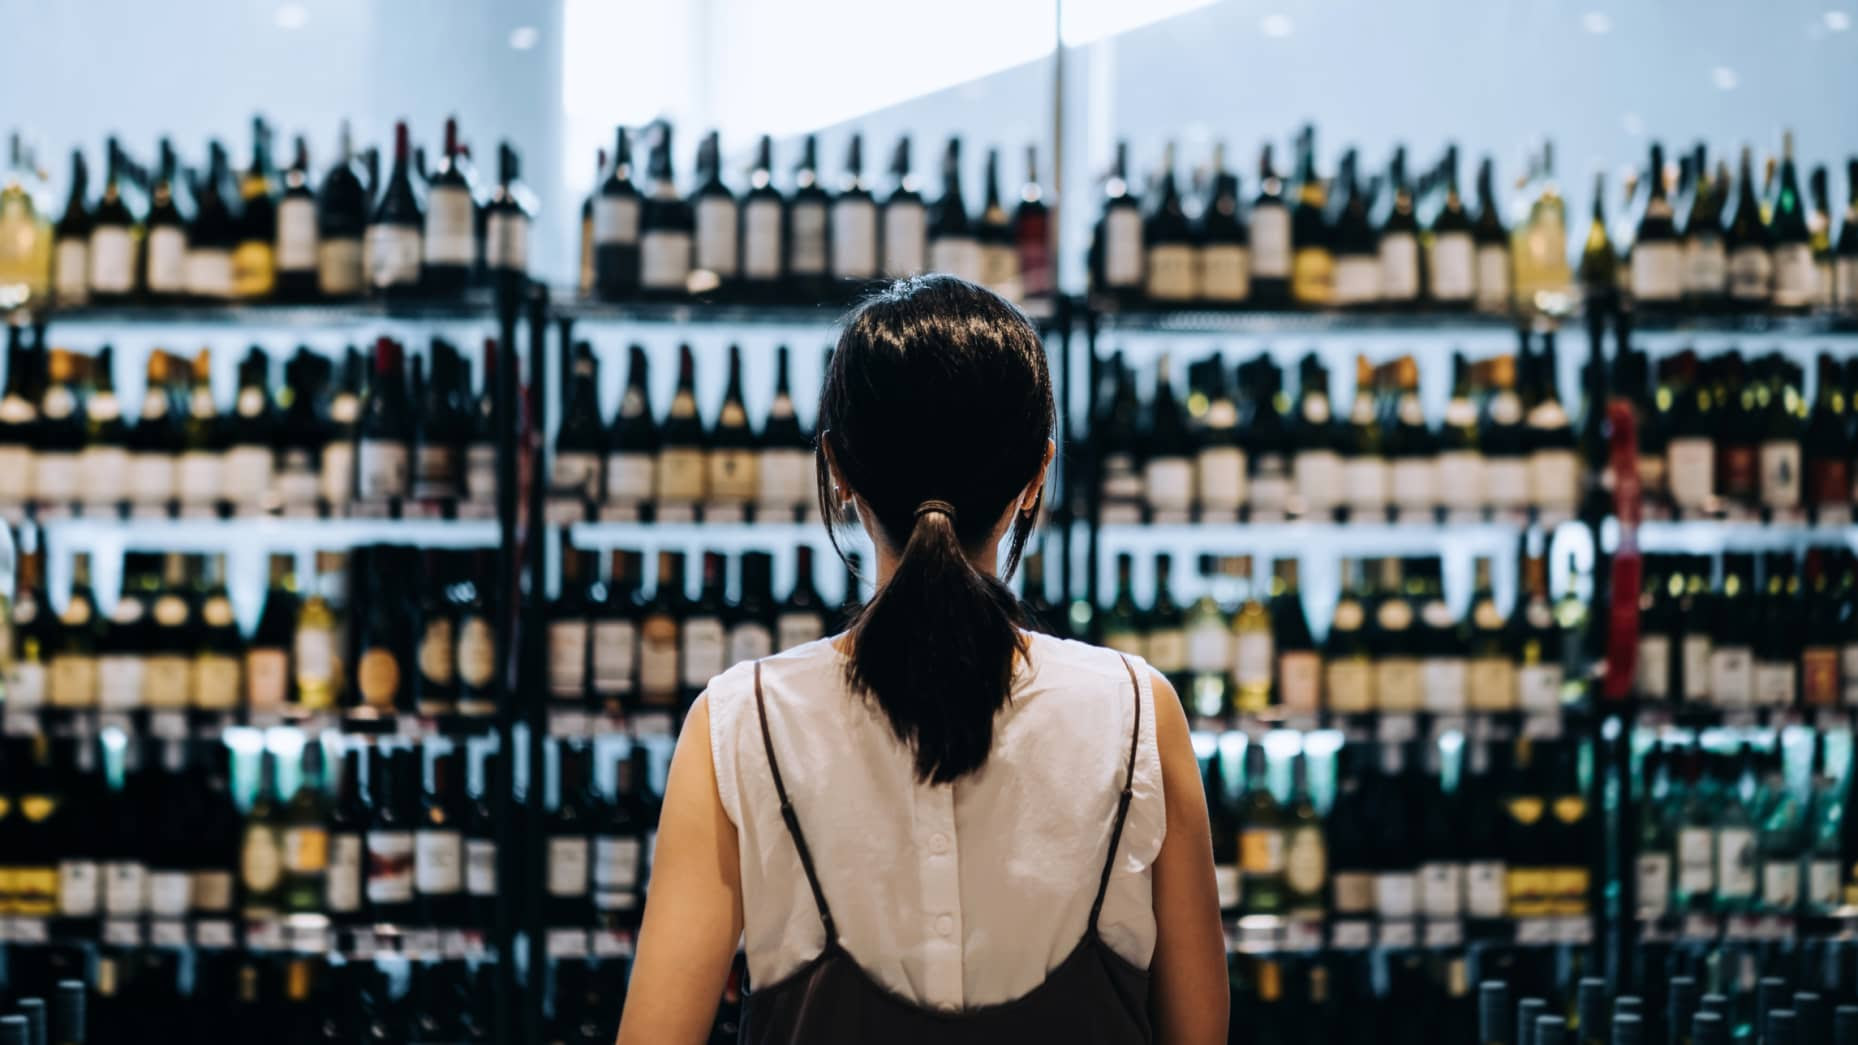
<point x="933" y="505"/>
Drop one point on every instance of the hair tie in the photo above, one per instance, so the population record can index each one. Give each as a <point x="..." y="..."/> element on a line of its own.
<point x="933" y="505"/>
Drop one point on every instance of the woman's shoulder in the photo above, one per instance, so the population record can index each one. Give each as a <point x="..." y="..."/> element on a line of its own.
<point x="787" y="671"/>
<point x="1051" y="655"/>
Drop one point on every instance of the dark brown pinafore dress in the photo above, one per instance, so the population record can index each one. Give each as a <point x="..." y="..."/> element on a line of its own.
<point x="1093" y="997"/>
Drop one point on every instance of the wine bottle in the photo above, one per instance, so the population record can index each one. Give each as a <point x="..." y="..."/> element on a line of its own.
<point x="1554" y="464"/>
<point x="1779" y="404"/>
<point x="25" y="230"/>
<point x="165" y="232"/>
<point x="658" y="638"/>
<point x="337" y="467"/>
<point x="1599" y="268"/>
<point x="345" y="876"/>
<point x="618" y="851"/>
<point x="261" y="848"/>
<point x="1207" y="631"/>
<point x="297" y="248"/>
<point x="1365" y="471"/>
<point x="507" y="219"/>
<point x="764" y="227"/>
<point x="393" y="244"/>
<point x="213" y="236"/>
<point x="1224" y="263"/>
<point x="999" y="251"/>
<point x="1316" y="465"/>
<point x="749" y="621"/>
<point x="801" y="618"/>
<point x="954" y="243"/>
<point x="1845" y="255"/>
<point x="251" y="437"/>
<point x="441" y="427"/>
<point x="391" y="847"/>
<point x="632" y="445"/>
<point x="1261" y="839"/>
<point x="435" y="655"/>
<point x="341" y="224"/>
<point x="104" y="462"/>
<point x="1167" y="469"/>
<point x="383" y="639"/>
<point x="808" y="255"/>
<point x="1451" y="267"/>
<point x="569" y="837"/>
<point x="730" y="479"/>
<point x="568" y="647"/>
<point x="666" y="227"/>
<point x="1414" y="475"/>
<point x="905" y="222"/>
<point x="19" y="414"/>
<point x="702" y="637"/>
<point x="71" y="240"/>
<point x="784" y="467"/>
<point x="1269" y="238"/>
<point x="717" y="219"/>
<point x="1747" y="241"/>
<point x="1168" y="243"/>
<point x="112" y="252"/>
<point x="449" y="239"/>
<point x="71" y="680"/>
<point x="680" y="469"/>
<point x="167" y="667"/>
<point x="304" y="836"/>
<point x="438" y="844"/>
<point x="585" y="276"/>
<point x="1348" y="674"/>
<point x="477" y="420"/>
<point x="300" y="431"/>
<point x="218" y="648"/>
<point x="1117" y="251"/>
<point x="125" y="634"/>
<point x="1219" y="475"/>
<point x="480" y="844"/>
<point x="615" y="634"/>
<point x="1032" y="231"/>
<point x="1299" y="666"/>
<point x="254" y="257"/>
<point x="1165" y="641"/>
<point x="1253" y="656"/>
<point x="476" y="647"/>
<point x="315" y="638"/>
<point x="1819" y="228"/>
<point x="267" y="659"/>
<point x="1400" y="285"/>
<point x="1398" y="682"/>
<point x="1350" y="844"/>
<point x="1312" y="259"/>
<point x="1494" y="275"/>
<point x="1657" y="263"/>
<point x="1357" y="256"/>
<point x="57" y="456"/>
<point x="383" y="428"/>
<point x="1795" y="277"/>
<point x="580" y="442"/>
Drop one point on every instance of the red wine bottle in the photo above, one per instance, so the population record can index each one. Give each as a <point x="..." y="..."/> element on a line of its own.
<point x="394" y="234"/>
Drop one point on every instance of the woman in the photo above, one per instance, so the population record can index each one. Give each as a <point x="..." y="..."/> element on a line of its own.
<point x="937" y="826"/>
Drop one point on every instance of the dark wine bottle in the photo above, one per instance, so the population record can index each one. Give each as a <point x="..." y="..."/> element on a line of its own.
<point x="71" y="240"/>
<point x="112" y="252"/>
<point x="702" y="637"/>
<point x="854" y="225"/>
<point x="1357" y="258"/>
<point x="1313" y="247"/>
<point x="165" y="233"/>
<point x="1168" y="242"/>
<point x="749" y="622"/>
<point x="905" y="236"/>
<point x="1116" y="247"/>
<point x="568" y="648"/>
<point x="1224" y="264"/>
<point x="1269" y="238"/>
<point x="764" y="229"/>
<point x="954" y="245"/>
<point x="383" y="429"/>
<point x="1795" y="278"/>
<point x="251" y="438"/>
<point x="632" y="445"/>
<point x="296" y="248"/>
<point x="784" y="468"/>
<point x="679" y="472"/>
<point x="717" y="216"/>
<point x="1451" y="266"/>
<point x="449" y="242"/>
<point x="213" y="235"/>
<point x="267" y="658"/>
<point x="999" y="254"/>
<point x="1747" y="241"/>
<point x="438" y="844"/>
<point x="801" y="618"/>
<point x="254" y="258"/>
<point x="658" y="638"/>
<point x="1492" y="240"/>
<point x="730" y="482"/>
<point x="393" y="245"/>
<point x="1400" y="273"/>
<point x="506" y="225"/>
<point x="341" y="224"/>
<point x="348" y="818"/>
<point x="569" y="838"/>
<point x="667" y="226"/>
<point x="1032" y="235"/>
<point x="393" y="777"/>
<point x="615" y="634"/>
<point x="807" y="208"/>
<point x="574" y="473"/>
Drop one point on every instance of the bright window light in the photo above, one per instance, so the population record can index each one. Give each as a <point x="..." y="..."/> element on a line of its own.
<point x="1087" y="21"/>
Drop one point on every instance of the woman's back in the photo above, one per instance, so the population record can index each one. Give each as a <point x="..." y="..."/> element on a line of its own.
<point x="954" y="896"/>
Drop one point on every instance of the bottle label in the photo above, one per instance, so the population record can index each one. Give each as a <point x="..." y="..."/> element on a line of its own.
<point x="616" y="220"/>
<point x="1270" y="247"/>
<point x="394" y="253"/>
<point x="730" y="476"/>
<point x="261" y="859"/>
<point x="1732" y="676"/>
<point x="1657" y="272"/>
<point x="212" y="891"/>
<point x="296" y="234"/>
<point x="55" y="478"/>
<point x="1269" y="488"/>
<point x="905" y="224"/>
<point x="749" y="642"/>
<point x="314" y="651"/>
<point x="1225" y="273"/>
<point x="1506" y="482"/>
<point x="254" y="269"/>
<point x="854" y="239"/>
<point x="1491" y="683"/>
<point x="1651" y="676"/>
<point x="267" y="678"/>
<point x="438" y="863"/>
<point x="1167" y="650"/>
<point x="1299" y="680"/>
<point x="216" y="682"/>
<point x="1365" y="481"/>
<point x="1780" y="473"/>
<point x="71" y="271"/>
<point x="125" y="888"/>
<point x="1220" y="471"/>
<point x="1459" y="480"/>
<point x="25" y="684"/>
<point x="717" y="237"/>
<point x="1848" y="672"/>
<point x="616" y="656"/>
<point x="1774" y="683"/>
<point x="1395" y="894"/>
<point x="1751" y="273"/>
<point x="247" y="475"/>
<point x="1000" y="270"/>
<point x="1554" y="479"/>
<point x="1822" y="883"/>
<point x="77" y="888"/>
<point x="1318" y="480"/>
<point x="1122" y="248"/>
<point x="658" y="650"/>
<point x="296" y="482"/>
<point x="480" y="471"/>
<point x="73" y="681"/>
<point x="616" y="863"/>
<point x="807" y="251"/>
<point x="785" y="478"/>
<point x="381" y="469"/>
<point x="1357" y="279"/>
<point x="1354" y="892"/>
<point x="112" y="260"/>
<point x="567" y="867"/>
<point x="1819" y="676"/>
<point x="1735" y="862"/>
<point x="377" y="675"/>
<point x="477" y="652"/>
<point x="390" y="867"/>
<point x="435" y="471"/>
<point x="1441" y="890"/>
<point x="480" y="876"/>
<point x="1399" y="275"/>
<point x="1261" y="851"/>
<point x="1306" y="862"/>
<point x="170" y="894"/>
<point x="1226" y="882"/>
<point x="1350" y="685"/>
<point x="567" y="658"/>
<point x="1828" y="481"/>
<point x="1780" y="884"/>
<point x="437" y="654"/>
<point x="119" y="679"/>
<point x="1485" y="895"/>
<point x="1697" y="666"/>
<point x="958" y="256"/>
<point x="1445" y="684"/>
<point x="680" y="475"/>
<point x="1538" y="687"/>
<point x="451" y="226"/>
<point x="1706" y="267"/>
<point x="1452" y="267"/>
<point x="165" y="680"/>
<point x="16" y="467"/>
<point x="1654" y="883"/>
<point x="1493" y="278"/>
<point x="574" y="473"/>
<point x="306" y="850"/>
<point x="340" y="267"/>
<point x="703" y="645"/>
<point x="342" y="887"/>
<point x="1209" y="648"/>
<point x="1845" y="276"/>
<point x="1410" y="481"/>
<point x="798" y="629"/>
<point x="506" y="241"/>
<point x="338" y="473"/>
<point x="167" y="260"/>
<point x="1171" y="274"/>
<point x="1398" y="684"/>
<point x="761" y="239"/>
<point x="1168" y="483"/>
<point x="664" y="259"/>
<point x="628" y="478"/>
<point x="1796" y="281"/>
<point x="1253" y="658"/>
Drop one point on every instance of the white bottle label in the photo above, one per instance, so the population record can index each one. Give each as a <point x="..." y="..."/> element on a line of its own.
<point x="1446" y="682"/>
<point x="958" y="256"/>
<point x="480" y="876"/>
<point x="1780" y="884"/>
<point x="167" y="260"/>
<point x="78" y="890"/>
<point x="1538" y="687"/>
<point x="785" y="478"/>
<point x="1399" y="267"/>
<point x="1691" y="470"/>
<point x="1365" y="482"/>
<point x="567" y="867"/>
<point x="1226" y="882"/>
<point x="1651" y="677"/>
<point x="394" y="253"/>
<point x="1168" y="483"/>
<point x="338" y="473"/>
<point x="1171" y="275"/>
<point x="212" y="891"/>
<point x="616" y="220"/>
<point x="1706" y="267"/>
<point x="567" y="658"/>
<point x="1780" y="473"/>
<point x="1795" y="279"/>
<point x="438" y="863"/>
<point x="628" y="478"/>
<point x="16" y="469"/>
<point x="170" y="894"/>
<point x="1751" y="274"/>
<point x="1554" y="479"/>
<point x="381" y="469"/>
<point x="1122" y="253"/>
<point x="342" y="887"/>
<point x="506" y="241"/>
<point x="904" y="239"/>
<point x="1220" y="475"/>
<point x="296" y="235"/>
<point x="201" y="476"/>
<point x="1732" y="676"/>
<point x="119" y="678"/>
<point x="761" y="239"/>
<point x="1775" y="684"/>
<point x="616" y="863"/>
<point x="247" y="475"/>
<point x="1654" y="884"/>
<point x="1000" y="270"/>
<point x="209" y="273"/>
<point x="1270" y="248"/>
<point x="1485" y="889"/>
<point x="1822" y="883"/>
<point x="71" y="271"/>
<point x="125" y="888"/>
<point x="1845" y="280"/>
<point x="341" y="270"/>
<point x="658" y="650"/>
<point x="1452" y="267"/>
<point x="616" y="656"/>
<point x="1318" y="479"/>
<point x="664" y="259"/>
<point x="1697" y="658"/>
<point x="1735" y="862"/>
<point x="112" y="260"/>
<point x="105" y="474"/>
<point x="55" y="476"/>
<point x="854" y="239"/>
<point x="451" y="226"/>
<point x="390" y="867"/>
<point x="1493" y="278"/>
<point x="807" y="222"/>
<point x="1411" y="483"/>
<point x="1395" y="894"/>
<point x="1657" y="272"/>
<point x="702" y="646"/>
<point x="1209" y="648"/>
<point x="1357" y="279"/>
<point x="717" y="237"/>
<point x="1299" y="680"/>
<point x="749" y="642"/>
<point x="1506" y="482"/>
<point x="1441" y="890"/>
<point x="1225" y="273"/>
<point x="151" y="477"/>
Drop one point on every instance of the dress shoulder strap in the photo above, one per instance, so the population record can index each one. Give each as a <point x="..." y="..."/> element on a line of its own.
<point x="793" y="821"/>
<point x="1122" y="803"/>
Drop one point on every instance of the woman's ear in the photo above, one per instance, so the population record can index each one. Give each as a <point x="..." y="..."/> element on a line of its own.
<point x="841" y="491"/>
<point x="1029" y="498"/>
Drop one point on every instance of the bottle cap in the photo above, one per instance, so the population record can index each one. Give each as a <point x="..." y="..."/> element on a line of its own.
<point x="1550" y="1030"/>
<point x="1628" y="1029"/>
<point x="33" y="1009"/>
<point x="1845" y="1025"/>
<point x="1783" y="1027"/>
<point x="1526" y="1012"/>
<point x="1590" y="1006"/>
<point x="13" y="1030"/>
<point x="68" y="1011"/>
<point x="1709" y="1028"/>
<point x="1493" y="1010"/>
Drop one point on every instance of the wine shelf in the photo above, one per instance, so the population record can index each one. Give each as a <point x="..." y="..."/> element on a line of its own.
<point x="213" y="535"/>
<point x="1290" y="538"/>
<point x="309" y="316"/>
<point x="182" y="723"/>
<point x="1287" y="322"/>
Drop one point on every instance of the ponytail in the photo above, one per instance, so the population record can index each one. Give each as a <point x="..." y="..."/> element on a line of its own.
<point x="936" y="411"/>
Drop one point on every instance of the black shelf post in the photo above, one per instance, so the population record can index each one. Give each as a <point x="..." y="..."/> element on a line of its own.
<point x="506" y="595"/>
<point x="531" y="664"/>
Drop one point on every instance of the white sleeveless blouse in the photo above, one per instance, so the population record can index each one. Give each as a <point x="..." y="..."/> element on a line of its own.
<point x="952" y="896"/>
